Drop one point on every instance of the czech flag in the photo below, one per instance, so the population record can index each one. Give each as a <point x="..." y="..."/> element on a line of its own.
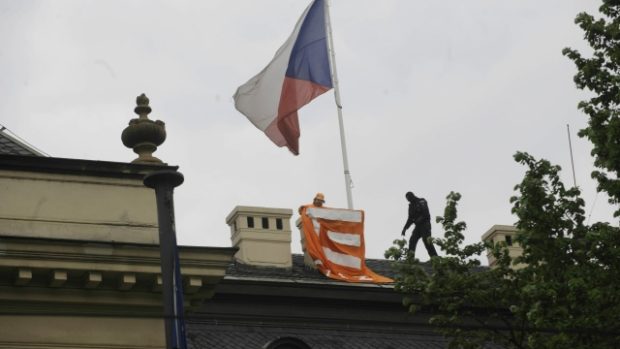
<point x="299" y="72"/>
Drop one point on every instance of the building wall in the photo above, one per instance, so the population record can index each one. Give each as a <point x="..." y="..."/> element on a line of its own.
<point x="57" y="332"/>
<point x="79" y="256"/>
<point x="50" y="205"/>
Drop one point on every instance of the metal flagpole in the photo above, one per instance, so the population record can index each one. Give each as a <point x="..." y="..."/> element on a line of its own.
<point x="332" y="55"/>
<point x="570" y="148"/>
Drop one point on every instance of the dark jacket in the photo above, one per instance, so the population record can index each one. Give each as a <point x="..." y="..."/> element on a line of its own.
<point x="418" y="213"/>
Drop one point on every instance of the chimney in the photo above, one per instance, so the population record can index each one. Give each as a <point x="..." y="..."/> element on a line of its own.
<point x="506" y="234"/>
<point x="262" y="234"/>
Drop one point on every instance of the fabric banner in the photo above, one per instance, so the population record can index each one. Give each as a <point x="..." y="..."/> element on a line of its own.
<point x="335" y="241"/>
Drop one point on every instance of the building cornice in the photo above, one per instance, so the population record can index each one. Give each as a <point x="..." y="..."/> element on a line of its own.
<point x="51" y="273"/>
<point x="78" y="166"/>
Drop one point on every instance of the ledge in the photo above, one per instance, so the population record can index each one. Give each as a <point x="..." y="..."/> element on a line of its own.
<point x="78" y="166"/>
<point x="61" y="272"/>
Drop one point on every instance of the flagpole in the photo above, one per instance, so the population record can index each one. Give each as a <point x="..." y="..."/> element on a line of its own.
<point x="343" y="145"/>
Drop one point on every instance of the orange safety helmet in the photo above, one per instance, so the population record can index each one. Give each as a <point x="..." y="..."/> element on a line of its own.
<point x="319" y="196"/>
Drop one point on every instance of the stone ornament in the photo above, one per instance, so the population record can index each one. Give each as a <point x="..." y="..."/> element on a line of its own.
<point x="144" y="135"/>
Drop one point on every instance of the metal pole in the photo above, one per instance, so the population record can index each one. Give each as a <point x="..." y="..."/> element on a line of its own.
<point x="343" y="143"/>
<point x="570" y="148"/>
<point x="164" y="183"/>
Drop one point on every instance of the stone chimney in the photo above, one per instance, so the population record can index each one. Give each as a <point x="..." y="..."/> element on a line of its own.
<point x="262" y="234"/>
<point x="506" y="234"/>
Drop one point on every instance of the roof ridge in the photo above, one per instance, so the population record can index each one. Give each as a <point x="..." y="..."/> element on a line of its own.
<point x="12" y="145"/>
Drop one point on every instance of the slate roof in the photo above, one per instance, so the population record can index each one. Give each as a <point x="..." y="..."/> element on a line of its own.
<point x="11" y="146"/>
<point x="300" y="271"/>
<point x="334" y="315"/>
<point x="235" y="337"/>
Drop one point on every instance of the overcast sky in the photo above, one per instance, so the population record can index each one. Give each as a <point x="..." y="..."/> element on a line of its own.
<point x="437" y="96"/>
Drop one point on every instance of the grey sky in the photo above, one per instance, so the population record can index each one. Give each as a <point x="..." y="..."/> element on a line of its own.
<point x="437" y="95"/>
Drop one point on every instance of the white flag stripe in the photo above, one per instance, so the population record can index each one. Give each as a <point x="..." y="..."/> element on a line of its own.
<point x="317" y="226"/>
<point x="258" y="99"/>
<point x="345" y="238"/>
<point x="342" y="259"/>
<point x="335" y="214"/>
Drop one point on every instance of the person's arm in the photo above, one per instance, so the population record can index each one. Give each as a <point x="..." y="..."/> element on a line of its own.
<point x="410" y="220"/>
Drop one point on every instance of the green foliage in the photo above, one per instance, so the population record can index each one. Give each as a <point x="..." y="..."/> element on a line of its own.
<point x="564" y="291"/>
<point x="600" y="74"/>
<point x="569" y="280"/>
<point x="465" y="302"/>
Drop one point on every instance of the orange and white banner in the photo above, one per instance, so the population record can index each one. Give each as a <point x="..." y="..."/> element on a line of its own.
<point x="335" y="241"/>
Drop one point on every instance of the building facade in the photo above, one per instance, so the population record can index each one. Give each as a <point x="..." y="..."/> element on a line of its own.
<point x="80" y="267"/>
<point x="79" y="254"/>
<point x="270" y="298"/>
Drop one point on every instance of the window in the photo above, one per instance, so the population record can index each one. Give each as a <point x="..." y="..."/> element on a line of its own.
<point x="265" y="222"/>
<point x="508" y="240"/>
<point x="250" y="222"/>
<point x="286" y="343"/>
<point x="279" y="223"/>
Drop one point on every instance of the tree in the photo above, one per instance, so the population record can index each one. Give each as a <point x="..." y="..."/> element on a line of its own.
<point x="600" y="74"/>
<point x="568" y="292"/>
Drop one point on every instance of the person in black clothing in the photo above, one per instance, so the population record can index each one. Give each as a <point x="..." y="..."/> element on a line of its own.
<point x="419" y="215"/>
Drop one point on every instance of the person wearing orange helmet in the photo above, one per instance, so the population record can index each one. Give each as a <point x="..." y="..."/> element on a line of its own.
<point x="318" y="201"/>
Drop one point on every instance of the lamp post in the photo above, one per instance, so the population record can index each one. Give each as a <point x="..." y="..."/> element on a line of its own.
<point x="164" y="183"/>
<point x="144" y="135"/>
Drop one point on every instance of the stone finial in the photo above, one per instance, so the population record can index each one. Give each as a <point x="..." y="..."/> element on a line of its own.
<point x="143" y="134"/>
<point x="143" y="109"/>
